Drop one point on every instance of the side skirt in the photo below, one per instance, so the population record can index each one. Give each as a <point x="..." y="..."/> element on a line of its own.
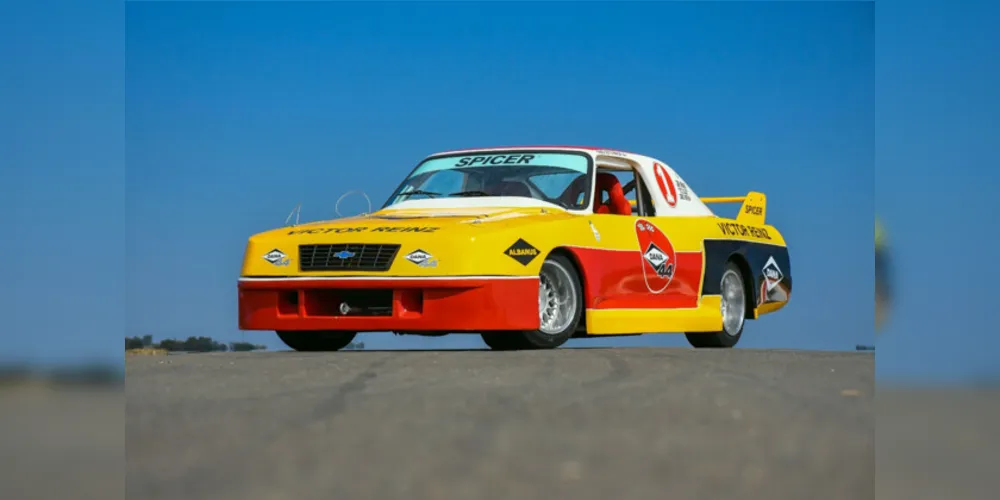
<point x="705" y="318"/>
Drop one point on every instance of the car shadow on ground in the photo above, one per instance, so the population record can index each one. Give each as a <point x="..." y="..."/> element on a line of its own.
<point x="464" y="349"/>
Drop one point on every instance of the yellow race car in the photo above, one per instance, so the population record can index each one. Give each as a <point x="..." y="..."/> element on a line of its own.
<point x="527" y="247"/>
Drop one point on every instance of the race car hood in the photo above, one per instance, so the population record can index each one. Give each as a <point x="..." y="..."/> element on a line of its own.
<point x="455" y="233"/>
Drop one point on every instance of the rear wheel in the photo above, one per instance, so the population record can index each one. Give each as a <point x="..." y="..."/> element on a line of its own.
<point x="733" y="309"/>
<point x="317" y="341"/>
<point x="560" y="307"/>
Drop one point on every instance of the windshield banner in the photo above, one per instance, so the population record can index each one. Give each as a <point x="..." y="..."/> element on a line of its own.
<point x="569" y="161"/>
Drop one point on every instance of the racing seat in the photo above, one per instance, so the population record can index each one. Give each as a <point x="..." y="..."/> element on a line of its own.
<point x="617" y="203"/>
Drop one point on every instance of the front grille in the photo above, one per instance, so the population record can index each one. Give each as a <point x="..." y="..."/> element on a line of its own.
<point x="347" y="257"/>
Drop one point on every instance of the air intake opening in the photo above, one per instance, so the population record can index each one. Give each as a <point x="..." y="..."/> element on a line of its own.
<point x="329" y="302"/>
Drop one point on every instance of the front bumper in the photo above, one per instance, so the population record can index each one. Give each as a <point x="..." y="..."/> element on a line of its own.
<point x="447" y="304"/>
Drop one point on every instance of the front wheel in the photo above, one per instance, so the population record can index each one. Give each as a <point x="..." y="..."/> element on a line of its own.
<point x="317" y="341"/>
<point x="733" y="309"/>
<point x="560" y="307"/>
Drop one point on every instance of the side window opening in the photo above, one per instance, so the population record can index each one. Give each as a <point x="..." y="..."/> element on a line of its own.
<point x="635" y="191"/>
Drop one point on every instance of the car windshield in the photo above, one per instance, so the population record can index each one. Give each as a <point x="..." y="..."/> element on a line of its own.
<point x="560" y="178"/>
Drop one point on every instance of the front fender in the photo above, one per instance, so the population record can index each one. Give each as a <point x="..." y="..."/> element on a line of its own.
<point x="521" y="249"/>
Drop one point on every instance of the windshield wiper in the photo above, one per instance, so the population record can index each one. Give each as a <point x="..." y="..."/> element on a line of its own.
<point x="470" y="193"/>
<point x="420" y="191"/>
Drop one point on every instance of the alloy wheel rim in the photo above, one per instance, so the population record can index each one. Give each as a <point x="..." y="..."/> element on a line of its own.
<point x="733" y="303"/>
<point x="557" y="299"/>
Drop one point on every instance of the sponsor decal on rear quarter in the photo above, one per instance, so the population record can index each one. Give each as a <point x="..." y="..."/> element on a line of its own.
<point x="772" y="274"/>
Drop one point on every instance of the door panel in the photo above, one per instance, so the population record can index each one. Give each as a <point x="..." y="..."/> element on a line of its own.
<point x="641" y="269"/>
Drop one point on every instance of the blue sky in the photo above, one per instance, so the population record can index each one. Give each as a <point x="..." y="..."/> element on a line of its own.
<point x="936" y="182"/>
<point x="235" y="112"/>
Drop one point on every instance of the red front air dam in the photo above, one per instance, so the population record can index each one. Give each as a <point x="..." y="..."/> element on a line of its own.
<point x="419" y="304"/>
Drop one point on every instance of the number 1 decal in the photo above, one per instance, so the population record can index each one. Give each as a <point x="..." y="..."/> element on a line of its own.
<point x="666" y="184"/>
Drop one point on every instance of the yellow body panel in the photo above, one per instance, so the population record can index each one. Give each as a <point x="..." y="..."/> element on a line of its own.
<point x="705" y="318"/>
<point x="465" y="244"/>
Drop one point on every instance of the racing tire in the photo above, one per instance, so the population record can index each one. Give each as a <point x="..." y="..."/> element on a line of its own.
<point x="317" y="341"/>
<point x="733" y="309"/>
<point x="560" y="304"/>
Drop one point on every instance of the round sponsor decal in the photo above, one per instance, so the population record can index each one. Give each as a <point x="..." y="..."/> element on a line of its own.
<point x="657" y="254"/>
<point x="666" y="184"/>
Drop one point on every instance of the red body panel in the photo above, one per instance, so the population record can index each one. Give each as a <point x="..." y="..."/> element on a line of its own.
<point x="449" y="305"/>
<point x="617" y="279"/>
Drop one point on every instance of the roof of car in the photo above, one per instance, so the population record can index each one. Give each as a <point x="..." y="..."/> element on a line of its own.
<point x="495" y="148"/>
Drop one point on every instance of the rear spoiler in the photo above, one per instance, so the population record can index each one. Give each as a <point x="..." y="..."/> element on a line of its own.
<point x="754" y="207"/>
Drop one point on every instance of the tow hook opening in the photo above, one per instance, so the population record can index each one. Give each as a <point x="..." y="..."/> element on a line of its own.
<point x="348" y="302"/>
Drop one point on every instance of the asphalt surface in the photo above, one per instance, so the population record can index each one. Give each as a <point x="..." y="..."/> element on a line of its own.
<point x="61" y="443"/>
<point x="567" y="423"/>
<point x="937" y="443"/>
